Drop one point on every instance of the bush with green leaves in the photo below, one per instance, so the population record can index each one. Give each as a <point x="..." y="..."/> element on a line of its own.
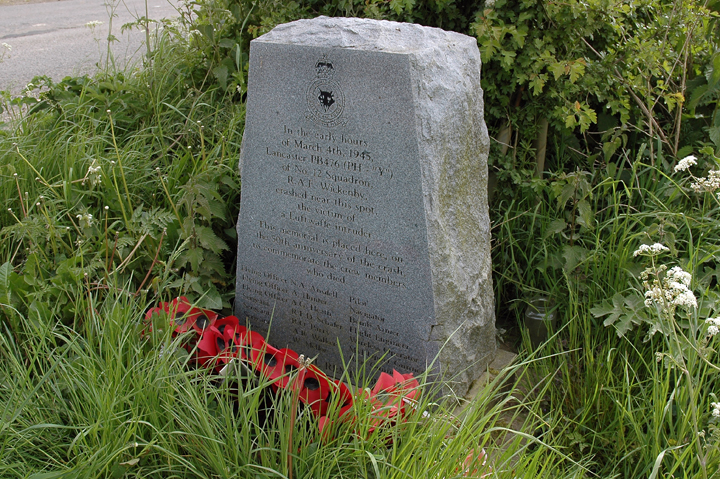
<point x="617" y="74"/>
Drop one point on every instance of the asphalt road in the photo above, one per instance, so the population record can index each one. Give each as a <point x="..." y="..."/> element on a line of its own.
<point x="54" y="38"/>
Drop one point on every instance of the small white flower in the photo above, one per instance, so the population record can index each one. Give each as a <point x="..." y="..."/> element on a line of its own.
<point x="685" y="163"/>
<point x="93" y="173"/>
<point x="715" y="409"/>
<point x="94" y="23"/>
<point x="85" y="220"/>
<point x="6" y="46"/>
<point x="677" y="274"/>
<point x="713" y="330"/>
<point x="651" y="250"/>
<point x="709" y="184"/>
<point x="685" y="299"/>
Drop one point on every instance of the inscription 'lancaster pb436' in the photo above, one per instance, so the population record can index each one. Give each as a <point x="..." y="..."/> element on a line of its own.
<point x="352" y="233"/>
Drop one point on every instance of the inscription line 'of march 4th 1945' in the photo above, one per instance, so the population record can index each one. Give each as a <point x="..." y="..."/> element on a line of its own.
<point x="333" y="245"/>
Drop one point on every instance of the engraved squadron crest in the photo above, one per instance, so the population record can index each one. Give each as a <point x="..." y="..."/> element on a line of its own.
<point x="325" y="98"/>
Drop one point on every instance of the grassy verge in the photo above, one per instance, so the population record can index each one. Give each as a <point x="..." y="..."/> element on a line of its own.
<point x="121" y="190"/>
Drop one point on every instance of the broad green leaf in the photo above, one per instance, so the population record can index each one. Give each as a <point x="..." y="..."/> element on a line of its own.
<point x="211" y="299"/>
<point x="209" y="240"/>
<point x="713" y="72"/>
<point x="5" y="271"/>
<point x="714" y="134"/>
<point x="610" y="147"/>
<point x="194" y="256"/>
<point x="555" y="227"/>
<point x="573" y="256"/>
<point x="221" y="73"/>
<point x="207" y="30"/>
<point x="557" y="69"/>
<point x="567" y="192"/>
<point x="577" y="69"/>
<point x="586" y="216"/>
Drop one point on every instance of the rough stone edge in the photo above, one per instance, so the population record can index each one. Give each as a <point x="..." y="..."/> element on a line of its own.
<point x="456" y="206"/>
<point x="359" y="34"/>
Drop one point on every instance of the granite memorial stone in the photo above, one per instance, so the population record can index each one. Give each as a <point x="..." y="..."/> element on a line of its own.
<point x="364" y="220"/>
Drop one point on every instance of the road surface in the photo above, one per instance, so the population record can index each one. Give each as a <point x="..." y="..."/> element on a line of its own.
<point x="55" y="38"/>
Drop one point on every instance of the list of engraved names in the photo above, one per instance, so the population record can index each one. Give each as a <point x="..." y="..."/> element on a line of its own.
<point x="327" y="183"/>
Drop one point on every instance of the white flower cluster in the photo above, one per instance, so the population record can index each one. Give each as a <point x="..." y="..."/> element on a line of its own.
<point x="685" y="163"/>
<point x="93" y="173"/>
<point x="672" y="291"/>
<point x="715" y="409"/>
<point x="709" y="184"/>
<point x="651" y="250"/>
<point x="93" y="23"/>
<point x="85" y="220"/>
<point x="713" y="326"/>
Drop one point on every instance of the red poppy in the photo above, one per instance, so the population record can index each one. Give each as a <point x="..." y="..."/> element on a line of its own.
<point x="394" y="393"/>
<point x="207" y="346"/>
<point x="314" y="389"/>
<point x="265" y="360"/>
<point x="345" y="402"/>
<point x="232" y="338"/>
<point x="286" y="361"/>
<point x="253" y="344"/>
<point x="197" y="318"/>
<point x="474" y="463"/>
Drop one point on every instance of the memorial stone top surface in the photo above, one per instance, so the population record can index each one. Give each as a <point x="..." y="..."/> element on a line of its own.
<point x="364" y="222"/>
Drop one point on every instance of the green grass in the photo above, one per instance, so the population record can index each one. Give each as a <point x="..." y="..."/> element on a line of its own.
<point x="84" y="394"/>
<point x="99" y="401"/>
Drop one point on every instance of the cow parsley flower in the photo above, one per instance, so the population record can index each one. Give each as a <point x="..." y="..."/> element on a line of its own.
<point x="685" y="163"/>
<point x="709" y="184"/>
<point x="651" y="250"/>
<point x="715" y="409"/>
<point x="669" y="289"/>
<point x="713" y="326"/>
